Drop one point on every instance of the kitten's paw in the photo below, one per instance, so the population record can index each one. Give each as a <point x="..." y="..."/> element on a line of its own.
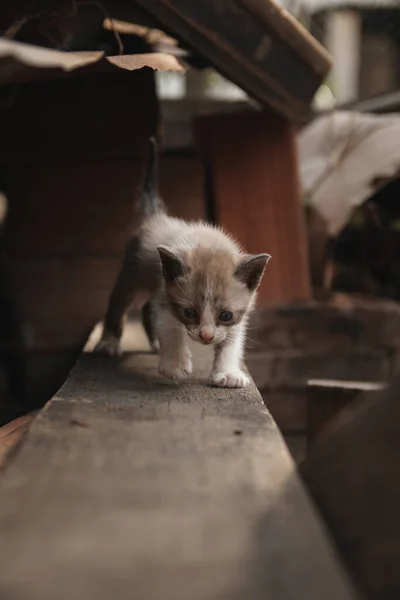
<point x="109" y="346"/>
<point x="233" y="379"/>
<point x="176" y="370"/>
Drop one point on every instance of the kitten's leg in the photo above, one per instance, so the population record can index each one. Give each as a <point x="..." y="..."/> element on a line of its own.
<point x="121" y="299"/>
<point x="148" y="320"/>
<point x="175" y="357"/>
<point x="226" y="370"/>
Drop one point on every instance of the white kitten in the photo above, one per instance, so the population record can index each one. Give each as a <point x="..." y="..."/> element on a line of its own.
<point x="192" y="280"/>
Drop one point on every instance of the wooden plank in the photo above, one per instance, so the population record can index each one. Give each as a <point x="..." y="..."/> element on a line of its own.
<point x="327" y="398"/>
<point x="253" y="171"/>
<point x="353" y="476"/>
<point x="294" y="34"/>
<point x="249" y="49"/>
<point x="341" y="338"/>
<point x="71" y="208"/>
<point x="138" y="488"/>
<point x="71" y="158"/>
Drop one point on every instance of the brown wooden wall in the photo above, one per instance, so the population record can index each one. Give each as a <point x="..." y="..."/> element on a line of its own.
<point x="182" y="186"/>
<point x="71" y="157"/>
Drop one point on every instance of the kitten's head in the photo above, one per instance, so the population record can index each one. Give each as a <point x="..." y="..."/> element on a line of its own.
<point x="211" y="291"/>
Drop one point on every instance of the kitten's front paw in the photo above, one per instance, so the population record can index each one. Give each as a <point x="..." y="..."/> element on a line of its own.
<point x="176" y="370"/>
<point x="108" y="347"/>
<point x="233" y="379"/>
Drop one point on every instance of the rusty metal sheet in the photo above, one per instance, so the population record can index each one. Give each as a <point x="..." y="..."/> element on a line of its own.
<point x="21" y="62"/>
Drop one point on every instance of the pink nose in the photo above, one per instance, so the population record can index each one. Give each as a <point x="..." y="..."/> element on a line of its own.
<point x="207" y="335"/>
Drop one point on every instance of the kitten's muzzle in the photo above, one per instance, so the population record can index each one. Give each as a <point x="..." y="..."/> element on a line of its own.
<point x="206" y="335"/>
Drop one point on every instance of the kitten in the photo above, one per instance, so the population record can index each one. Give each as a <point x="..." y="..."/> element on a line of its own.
<point x="193" y="281"/>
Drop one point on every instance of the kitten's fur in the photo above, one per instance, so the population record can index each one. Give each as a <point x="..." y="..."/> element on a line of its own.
<point x="171" y="265"/>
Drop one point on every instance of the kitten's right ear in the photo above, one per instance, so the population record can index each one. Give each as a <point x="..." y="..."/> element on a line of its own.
<point x="251" y="269"/>
<point x="172" y="266"/>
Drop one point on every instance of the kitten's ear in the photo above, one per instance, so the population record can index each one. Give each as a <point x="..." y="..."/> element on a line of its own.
<point x="251" y="269"/>
<point x="172" y="266"/>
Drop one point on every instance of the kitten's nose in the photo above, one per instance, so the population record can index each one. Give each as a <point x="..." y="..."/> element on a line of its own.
<point x="206" y="335"/>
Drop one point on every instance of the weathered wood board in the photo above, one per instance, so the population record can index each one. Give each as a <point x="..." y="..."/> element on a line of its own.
<point x="352" y="473"/>
<point x="328" y="399"/>
<point x="131" y="487"/>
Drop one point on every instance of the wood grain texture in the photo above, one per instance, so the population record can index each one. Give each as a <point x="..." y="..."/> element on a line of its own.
<point x="131" y="487"/>
<point x="249" y="49"/>
<point x="253" y="164"/>
<point x="182" y="186"/>
<point x="294" y="34"/>
<point x="353" y="476"/>
<point x="326" y="401"/>
<point x="71" y="159"/>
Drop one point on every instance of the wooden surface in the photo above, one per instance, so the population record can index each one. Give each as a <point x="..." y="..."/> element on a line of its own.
<point x="327" y="399"/>
<point x="71" y="187"/>
<point x="353" y="476"/>
<point x="71" y="158"/>
<point x="260" y="48"/>
<point x="294" y="34"/>
<point x="252" y="164"/>
<point x="342" y="337"/>
<point x="182" y="186"/>
<point x="131" y="487"/>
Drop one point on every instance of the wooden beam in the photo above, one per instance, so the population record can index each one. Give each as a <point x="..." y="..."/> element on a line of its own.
<point x="326" y="399"/>
<point x="294" y="34"/>
<point x="139" y="488"/>
<point x="353" y="476"/>
<point x="252" y="164"/>
<point x="251" y="48"/>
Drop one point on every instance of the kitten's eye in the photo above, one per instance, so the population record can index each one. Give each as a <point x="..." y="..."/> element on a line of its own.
<point x="226" y="316"/>
<point x="190" y="313"/>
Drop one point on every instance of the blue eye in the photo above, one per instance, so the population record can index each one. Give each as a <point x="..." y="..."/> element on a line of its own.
<point x="190" y="313"/>
<point x="226" y="316"/>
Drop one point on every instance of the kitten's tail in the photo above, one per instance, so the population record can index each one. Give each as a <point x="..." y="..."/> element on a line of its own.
<point x="149" y="202"/>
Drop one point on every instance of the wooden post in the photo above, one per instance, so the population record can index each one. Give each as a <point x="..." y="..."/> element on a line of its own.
<point x="252" y="170"/>
<point x="327" y="398"/>
<point x="353" y="477"/>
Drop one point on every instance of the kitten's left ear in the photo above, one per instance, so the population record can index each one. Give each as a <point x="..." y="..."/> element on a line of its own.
<point x="251" y="269"/>
<point x="172" y="265"/>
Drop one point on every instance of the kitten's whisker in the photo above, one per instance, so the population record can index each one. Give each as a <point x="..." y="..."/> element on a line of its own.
<point x="257" y="342"/>
<point x="182" y="290"/>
